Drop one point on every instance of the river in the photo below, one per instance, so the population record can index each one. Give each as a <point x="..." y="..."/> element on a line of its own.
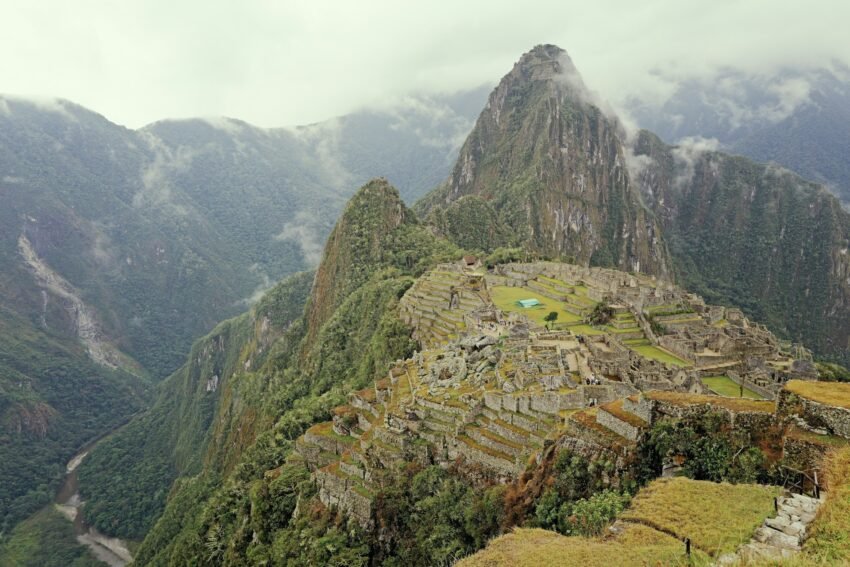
<point x="111" y="551"/>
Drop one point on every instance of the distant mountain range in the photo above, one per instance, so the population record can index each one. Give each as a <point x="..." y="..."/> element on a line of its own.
<point x="799" y="118"/>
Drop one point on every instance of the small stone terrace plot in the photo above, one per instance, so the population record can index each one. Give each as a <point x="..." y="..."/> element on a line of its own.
<point x="830" y="393"/>
<point x="656" y="353"/>
<point x="725" y="386"/>
<point x="717" y="517"/>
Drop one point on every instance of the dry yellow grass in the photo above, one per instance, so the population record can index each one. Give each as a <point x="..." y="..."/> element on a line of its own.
<point x="716" y="516"/>
<point x="829" y="542"/>
<point x="734" y="404"/>
<point x="635" y="546"/>
<point x="831" y="393"/>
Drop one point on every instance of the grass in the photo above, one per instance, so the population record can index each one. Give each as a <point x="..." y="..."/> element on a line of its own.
<point x="634" y="546"/>
<point x="661" y="355"/>
<point x="829" y="539"/>
<point x="586" y="330"/>
<point x="829" y="393"/>
<point x="725" y="386"/>
<point x="505" y="298"/>
<point x="718" y="517"/>
<point x="734" y="404"/>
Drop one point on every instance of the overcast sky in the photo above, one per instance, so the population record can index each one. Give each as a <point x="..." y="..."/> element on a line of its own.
<point x="287" y="62"/>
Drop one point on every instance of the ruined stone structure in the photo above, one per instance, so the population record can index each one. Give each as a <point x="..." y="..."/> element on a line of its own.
<point x="492" y="385"/>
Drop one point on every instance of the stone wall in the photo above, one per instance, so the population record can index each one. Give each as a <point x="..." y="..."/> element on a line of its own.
<point x="617" y="425"/>
<point x="641" y="408"/>
<point x="339" y="490"/>
<point x="835" y="420"/>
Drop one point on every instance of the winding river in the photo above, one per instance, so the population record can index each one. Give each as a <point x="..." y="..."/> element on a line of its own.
<point x="111" y="551"/>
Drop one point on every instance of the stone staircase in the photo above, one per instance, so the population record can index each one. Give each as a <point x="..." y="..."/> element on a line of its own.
<point x="780" y="536"/>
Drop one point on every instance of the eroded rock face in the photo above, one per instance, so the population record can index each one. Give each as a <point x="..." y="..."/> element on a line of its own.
<point x="84" y="319"/>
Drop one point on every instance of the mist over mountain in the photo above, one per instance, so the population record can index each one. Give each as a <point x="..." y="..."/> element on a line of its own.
<point x="799" y="118"/>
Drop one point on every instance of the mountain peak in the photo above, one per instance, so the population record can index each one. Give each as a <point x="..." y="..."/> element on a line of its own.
<point x="544" y="168"/>
<point x="546" y="62"/>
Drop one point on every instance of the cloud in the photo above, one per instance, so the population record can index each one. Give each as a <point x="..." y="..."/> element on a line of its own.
<point x="687" y="153"/>
<point x="434" y="122"/>
<point x="46" y="104"/>
<point x="277" y="63"/>
<point x="305" y="230"/>
<point x="156" y="175"/>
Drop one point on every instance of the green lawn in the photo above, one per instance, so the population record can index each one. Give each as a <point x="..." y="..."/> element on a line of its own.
<point x="506" y="297"/>
<point x="661" y="355"/>
<point x="586" y="330"/>
<point x="724" y="386"/>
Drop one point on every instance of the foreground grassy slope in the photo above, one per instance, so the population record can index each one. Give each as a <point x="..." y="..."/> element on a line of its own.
<point x="717" y="517"/>
<point x="636" y="546"/>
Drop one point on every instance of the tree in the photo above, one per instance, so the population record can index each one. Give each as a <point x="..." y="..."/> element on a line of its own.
<point x="551" y="318"/>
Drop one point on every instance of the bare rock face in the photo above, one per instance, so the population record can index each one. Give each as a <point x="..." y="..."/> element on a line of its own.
<point x="551" y="165"/>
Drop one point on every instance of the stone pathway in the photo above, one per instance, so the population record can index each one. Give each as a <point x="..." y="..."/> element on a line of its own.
<point x="780" y="536"/>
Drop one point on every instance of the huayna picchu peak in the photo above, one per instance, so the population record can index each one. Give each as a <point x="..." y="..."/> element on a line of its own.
<point x="552" y="167"/>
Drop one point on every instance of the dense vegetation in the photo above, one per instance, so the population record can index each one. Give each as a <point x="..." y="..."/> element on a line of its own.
<point x="754" y="236"/>
<point x="45" y="540"/>
<point x="126" y="480"/>
<point x="273" y="386"/>
<point x="53" y="400"/>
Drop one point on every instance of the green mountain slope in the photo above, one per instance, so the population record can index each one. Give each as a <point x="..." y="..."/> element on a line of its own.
<point x="756" y="236"/>
<point x="283" y="372"/>
<point x="124" y="246"/>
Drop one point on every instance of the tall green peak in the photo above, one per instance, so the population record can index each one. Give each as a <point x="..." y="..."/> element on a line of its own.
<point x="376" y="231"/>
<point x="551" y="165"/>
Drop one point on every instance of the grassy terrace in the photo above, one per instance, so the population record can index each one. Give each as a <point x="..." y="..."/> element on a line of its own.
<point x="586" y="330"/>
<point x="734" y="404"/>
<point x="716" y="516"/>
<point x="587" y="419"/>
<point x="656" y="353"/>
<point x="506" y="298"/>
<point x="615" y="408"/>
<point x="635" y="546"/>
<point x="830" y="393"/>
<point x="325" y="429"/>
<point x="724" y="386"/>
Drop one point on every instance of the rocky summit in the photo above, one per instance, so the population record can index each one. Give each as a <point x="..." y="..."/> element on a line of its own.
<point x="545" y="169"/>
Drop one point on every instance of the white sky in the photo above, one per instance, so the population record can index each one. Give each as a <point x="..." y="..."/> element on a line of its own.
<point x="285" y="62"/>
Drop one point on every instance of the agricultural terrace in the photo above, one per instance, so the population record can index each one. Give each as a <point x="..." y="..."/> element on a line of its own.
<point x="717" y="517"/>
<point x="635" y="546"/>
<point x="829" y="393"/>
<point x="725" y="386"/>
<point x="659" y="354"/>
<point x="734" y="404"/>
